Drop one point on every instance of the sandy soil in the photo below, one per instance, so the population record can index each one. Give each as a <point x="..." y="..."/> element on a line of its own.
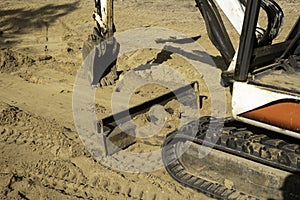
<point x="42" y="156"/>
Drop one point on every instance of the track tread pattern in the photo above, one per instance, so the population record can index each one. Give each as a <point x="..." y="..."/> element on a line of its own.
<point x="237" y="140"/>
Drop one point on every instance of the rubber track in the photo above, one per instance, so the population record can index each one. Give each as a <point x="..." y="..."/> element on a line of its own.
<point x="230" y="137"/>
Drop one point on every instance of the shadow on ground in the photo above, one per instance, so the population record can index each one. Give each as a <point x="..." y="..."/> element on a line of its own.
<point x="291" y="188"/>
<point x="15" y="22"/>
<point x="197" y="55"/>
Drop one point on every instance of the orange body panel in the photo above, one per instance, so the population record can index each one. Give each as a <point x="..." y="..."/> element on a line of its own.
<point x="282" y="114"/>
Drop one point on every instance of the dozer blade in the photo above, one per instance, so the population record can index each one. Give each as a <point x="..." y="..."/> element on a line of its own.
<point x="116" y="138"/>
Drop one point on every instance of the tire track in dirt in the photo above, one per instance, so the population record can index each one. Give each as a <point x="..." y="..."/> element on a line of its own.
<point x="51" y="162"/>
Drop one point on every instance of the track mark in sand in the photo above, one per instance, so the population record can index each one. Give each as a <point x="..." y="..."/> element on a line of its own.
<point x="61" y="176"/>
<point x="24" y="187"/>
<point x="19" y="127"/>
<point x="66" y="178"/>
<point x="55" y="164"/>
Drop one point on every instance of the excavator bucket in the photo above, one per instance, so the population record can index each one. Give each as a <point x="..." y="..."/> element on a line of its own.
<point x="101" y="50"/>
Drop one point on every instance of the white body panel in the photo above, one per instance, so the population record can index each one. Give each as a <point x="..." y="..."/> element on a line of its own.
<point x="234" y="11"/>
<point x="247" y="97"/>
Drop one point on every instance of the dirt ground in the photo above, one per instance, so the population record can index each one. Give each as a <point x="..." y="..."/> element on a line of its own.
<point x="42" y="156"/>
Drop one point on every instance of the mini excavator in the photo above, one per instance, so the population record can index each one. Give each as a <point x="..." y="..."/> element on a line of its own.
<point x="262" y="137"/>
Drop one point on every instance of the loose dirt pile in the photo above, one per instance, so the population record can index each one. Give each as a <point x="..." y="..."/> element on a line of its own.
<point x="11" y="61"/>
